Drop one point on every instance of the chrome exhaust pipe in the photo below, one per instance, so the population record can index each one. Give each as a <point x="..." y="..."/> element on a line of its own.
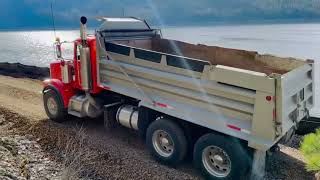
<point x="85" y="70"/>
<point x="85" y="105"/>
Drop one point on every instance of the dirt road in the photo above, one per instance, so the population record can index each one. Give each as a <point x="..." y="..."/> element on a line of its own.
<point x="119" y="153"/>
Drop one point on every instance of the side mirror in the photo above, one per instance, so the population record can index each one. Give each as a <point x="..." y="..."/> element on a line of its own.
<point x="58" y="48"/>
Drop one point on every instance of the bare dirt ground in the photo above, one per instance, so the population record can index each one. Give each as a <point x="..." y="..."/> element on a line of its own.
<point x="111" y="154"/>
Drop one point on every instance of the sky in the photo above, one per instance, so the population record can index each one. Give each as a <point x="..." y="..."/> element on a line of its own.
<point x="36" y="14"/>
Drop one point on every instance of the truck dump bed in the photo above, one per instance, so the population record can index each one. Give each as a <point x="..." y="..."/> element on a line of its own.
<point x="257" y="98"/>
<point x="242" y="59"/>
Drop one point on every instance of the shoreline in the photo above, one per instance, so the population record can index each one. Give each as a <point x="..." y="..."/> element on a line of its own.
<point x="19" y="70"/>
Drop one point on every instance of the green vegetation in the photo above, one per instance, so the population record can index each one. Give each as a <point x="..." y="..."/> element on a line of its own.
<point x="310" y="149"/>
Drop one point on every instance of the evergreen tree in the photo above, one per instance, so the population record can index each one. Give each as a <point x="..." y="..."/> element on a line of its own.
<point x="310" y="149"/>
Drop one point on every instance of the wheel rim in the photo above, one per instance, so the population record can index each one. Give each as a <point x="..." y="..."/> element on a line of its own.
<point x="52" y="106"/>
<point x="162" y="143"/>
<point x="216" y="161"/>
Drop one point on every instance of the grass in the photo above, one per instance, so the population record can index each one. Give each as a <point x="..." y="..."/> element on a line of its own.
<point x="77" y="157"/>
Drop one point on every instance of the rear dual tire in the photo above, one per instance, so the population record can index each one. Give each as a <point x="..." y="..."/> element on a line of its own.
<point x="220" y="157"/>
<point x="216" y="156"/>
<point x="166" y="141"/>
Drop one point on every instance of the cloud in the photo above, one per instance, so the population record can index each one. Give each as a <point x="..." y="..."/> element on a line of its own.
<point x="37" y="13"/>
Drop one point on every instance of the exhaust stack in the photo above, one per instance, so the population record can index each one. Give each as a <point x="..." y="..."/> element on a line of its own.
<point x="83" y="29"/>
<point x="85" y="105"/>
<point x="85" y="65"/>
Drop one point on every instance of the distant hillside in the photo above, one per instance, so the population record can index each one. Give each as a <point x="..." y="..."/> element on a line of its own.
<point x="36" y="13"/>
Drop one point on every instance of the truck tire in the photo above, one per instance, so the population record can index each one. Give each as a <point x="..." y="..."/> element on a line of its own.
<point x="220" y="157"/>
<point x="166" y="141"/>
<point x="54" y="107"/>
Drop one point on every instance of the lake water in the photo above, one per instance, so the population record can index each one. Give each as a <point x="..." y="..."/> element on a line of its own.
<point x="285" y="40"/>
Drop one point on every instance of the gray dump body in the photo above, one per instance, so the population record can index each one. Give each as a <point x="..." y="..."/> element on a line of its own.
<point x="257" y="98"/>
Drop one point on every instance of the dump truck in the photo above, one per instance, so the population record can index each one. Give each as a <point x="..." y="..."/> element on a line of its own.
<point x="226" y="108"/>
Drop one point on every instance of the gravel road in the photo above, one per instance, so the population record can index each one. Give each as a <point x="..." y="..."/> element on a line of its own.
<point x="118" y="153"/>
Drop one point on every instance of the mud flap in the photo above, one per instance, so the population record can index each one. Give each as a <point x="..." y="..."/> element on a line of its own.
<point x="109" y="117"/>
<point x="308" y="125"/>
<point x="258" y="165"/>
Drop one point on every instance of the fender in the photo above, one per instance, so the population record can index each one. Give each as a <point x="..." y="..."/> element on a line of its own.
<point x="65" y="91"/>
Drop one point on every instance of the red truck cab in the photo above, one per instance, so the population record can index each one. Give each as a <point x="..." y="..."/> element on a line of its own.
<point x="65" y="75"/>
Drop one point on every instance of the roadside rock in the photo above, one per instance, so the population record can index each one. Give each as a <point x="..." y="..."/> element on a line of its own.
<point x="18" y="70"/>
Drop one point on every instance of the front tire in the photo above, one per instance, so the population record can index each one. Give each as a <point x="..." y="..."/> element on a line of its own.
<point x="166" y="141"/>
<point x="54" y="107"/>
<point x="220" y="157"/>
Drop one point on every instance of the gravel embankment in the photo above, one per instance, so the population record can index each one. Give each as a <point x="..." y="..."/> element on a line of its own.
<point x="21" y="156"/>
<point x="120" y="155"/>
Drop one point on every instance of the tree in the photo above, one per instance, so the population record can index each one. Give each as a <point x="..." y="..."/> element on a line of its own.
<point x="310" y="149"/>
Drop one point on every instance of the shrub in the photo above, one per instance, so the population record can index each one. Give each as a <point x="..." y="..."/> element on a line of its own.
<point x="78" y="158"/>
<point x="310" y="149"/>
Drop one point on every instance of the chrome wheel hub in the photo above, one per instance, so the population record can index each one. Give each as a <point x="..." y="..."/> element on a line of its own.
<point x="52" y="106"/>
<point x="162" y="143"/>
<point x="216" y="161"/>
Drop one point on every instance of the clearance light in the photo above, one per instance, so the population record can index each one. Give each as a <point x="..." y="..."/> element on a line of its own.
<point x="268" y="98"/>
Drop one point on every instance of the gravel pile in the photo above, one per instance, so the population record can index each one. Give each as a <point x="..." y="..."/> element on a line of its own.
<point x="22" y="158"/>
